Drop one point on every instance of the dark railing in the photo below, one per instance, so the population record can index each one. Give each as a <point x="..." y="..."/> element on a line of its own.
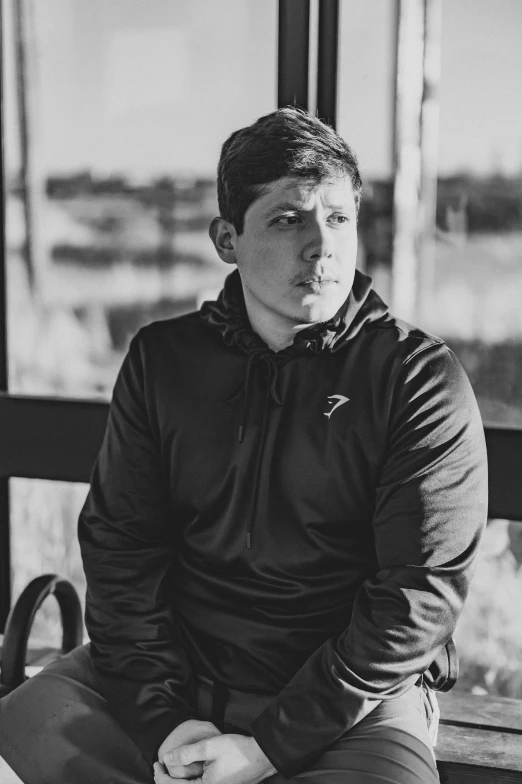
<point x="58" y="438"/>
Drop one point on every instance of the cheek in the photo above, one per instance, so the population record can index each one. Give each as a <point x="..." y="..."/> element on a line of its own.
<point x="258" y="270"/>
<point x="269" y="262"/>
<point x="346" y="249"/>
<point x="348" y="241"/>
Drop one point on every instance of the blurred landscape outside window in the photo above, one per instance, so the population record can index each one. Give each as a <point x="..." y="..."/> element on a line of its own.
<point x="474" y="291"/>
<point x="128" y="104"/>
<point x="44" y="540"/>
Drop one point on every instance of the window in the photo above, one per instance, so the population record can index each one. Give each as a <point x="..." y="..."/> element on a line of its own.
<point x="475" y="285"/>
<point x="365" y="101"/>
<point x="44" y="516"/>
<point x="127" y="104"/>
<point x="476" y="275"/>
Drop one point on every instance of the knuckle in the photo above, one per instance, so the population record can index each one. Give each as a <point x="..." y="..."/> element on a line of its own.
<point x="184" y="755"/>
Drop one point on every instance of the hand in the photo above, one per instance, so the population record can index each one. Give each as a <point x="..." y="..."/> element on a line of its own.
<point x="189" y="731"/>
<point x="226" y="759"/>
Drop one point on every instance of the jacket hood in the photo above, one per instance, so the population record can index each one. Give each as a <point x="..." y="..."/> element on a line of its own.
<point x="228" y="315"/>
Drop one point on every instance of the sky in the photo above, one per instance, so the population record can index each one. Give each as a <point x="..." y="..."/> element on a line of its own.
<point x="150" y="87"/>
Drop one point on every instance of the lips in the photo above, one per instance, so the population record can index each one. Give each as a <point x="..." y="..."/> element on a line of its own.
<point x="317" y="287"/>
<point x="309" y="281"/>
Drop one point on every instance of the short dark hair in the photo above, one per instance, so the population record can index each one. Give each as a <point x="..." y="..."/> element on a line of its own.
<point x="286" y="143"/>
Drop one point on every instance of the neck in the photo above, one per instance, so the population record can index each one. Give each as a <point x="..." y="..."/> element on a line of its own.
<point x="277" y="331"/>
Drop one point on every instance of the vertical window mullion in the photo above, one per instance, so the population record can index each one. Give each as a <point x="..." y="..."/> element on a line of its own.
<point x="327" y="60"/>
<point x="5" y="552"/>
<point x="293" y="46"/>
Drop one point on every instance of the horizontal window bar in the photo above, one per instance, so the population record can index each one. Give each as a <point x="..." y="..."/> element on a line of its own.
<point x="50" y="438"/>
<point x="58" y="438"/>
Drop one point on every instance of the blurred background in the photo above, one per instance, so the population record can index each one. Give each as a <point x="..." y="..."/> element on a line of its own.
<point x="114" y="114"/>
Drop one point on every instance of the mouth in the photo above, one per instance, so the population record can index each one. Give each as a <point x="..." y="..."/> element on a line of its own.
<point x="316" y="282"/>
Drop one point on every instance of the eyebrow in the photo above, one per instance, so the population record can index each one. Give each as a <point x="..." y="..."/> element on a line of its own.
<point x="284" y="206"/>
<point x="289" y="206"/>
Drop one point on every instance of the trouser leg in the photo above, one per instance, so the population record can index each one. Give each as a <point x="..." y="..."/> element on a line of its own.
<point x="389" y="746"/>
<point x="56" y="728"/>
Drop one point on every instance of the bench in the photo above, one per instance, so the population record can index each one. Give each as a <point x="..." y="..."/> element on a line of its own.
<point x="479" y="736"/>
<point x="480" y="739"/>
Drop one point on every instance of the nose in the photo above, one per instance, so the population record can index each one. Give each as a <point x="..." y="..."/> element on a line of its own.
<point x="318" y="243"/>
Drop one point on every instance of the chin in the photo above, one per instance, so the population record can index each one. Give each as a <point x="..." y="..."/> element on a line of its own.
<point x="314" y="312"/>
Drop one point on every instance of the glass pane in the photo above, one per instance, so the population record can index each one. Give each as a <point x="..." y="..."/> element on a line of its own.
<point x="44" y="517"/>
<point x="476" y="275"/>
<point x="489" y="633"/>
<point x="365" y="120"/>
<point x="127" y="103"/>
<point x="365" y="83"/>
<point x="476" y="285"/>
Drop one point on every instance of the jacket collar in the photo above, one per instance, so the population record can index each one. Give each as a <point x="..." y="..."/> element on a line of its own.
<point x="228" y="315"/>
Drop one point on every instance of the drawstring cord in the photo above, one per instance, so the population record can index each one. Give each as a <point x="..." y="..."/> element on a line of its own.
<point x="257" y="471"/>
<point x="252" y="358"/>
<point x="271" y="394"/>
<point x="272" y="382"/>
<point x="273" y="376"/>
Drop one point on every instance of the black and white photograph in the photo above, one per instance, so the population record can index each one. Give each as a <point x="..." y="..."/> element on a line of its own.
<point x="260" y="391"/>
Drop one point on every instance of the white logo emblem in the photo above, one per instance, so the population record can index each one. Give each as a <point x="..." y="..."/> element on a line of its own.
<point x="340" y="400"/>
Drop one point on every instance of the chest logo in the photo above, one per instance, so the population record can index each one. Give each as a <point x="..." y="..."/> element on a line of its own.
<point x="340" y="400"/>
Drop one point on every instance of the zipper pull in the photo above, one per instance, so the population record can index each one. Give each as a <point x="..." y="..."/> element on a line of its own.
<point x="249" y="541"/>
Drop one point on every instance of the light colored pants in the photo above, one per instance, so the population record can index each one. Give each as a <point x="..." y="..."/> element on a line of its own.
<point x="56" y="729"/>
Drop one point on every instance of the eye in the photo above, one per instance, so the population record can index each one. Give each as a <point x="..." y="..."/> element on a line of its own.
<point x="339" y="218"/>
<point x="288" y="220"/>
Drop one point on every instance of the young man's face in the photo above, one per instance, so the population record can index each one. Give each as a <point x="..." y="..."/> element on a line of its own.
<point x="297" y="253"/>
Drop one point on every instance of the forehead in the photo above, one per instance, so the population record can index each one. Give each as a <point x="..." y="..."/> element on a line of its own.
<point x="336" y="191"/>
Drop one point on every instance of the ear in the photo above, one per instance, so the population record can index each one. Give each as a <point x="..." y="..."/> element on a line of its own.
<point x="224" y="236"/>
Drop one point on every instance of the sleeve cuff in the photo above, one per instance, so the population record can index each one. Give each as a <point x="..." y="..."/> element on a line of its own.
<point x="149" y="738"/>
<point x="281" y="743"/>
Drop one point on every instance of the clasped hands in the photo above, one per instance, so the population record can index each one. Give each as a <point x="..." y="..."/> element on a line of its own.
<point x="197" y="752"/>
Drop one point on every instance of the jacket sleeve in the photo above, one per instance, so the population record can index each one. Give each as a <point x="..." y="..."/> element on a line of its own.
<point x="127" y="543"/>
<point x="430" y="511"/>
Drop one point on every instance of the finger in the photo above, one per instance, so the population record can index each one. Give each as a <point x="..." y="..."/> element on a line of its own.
<point x="164" y="778"/>
<point x="171" y="760"/>
<point x="195" y="752"/>
<point x="190" y="731"/>
<point x="185" y="771"/>
<point x="177" y="770"/>
<point x="160" y="777"/>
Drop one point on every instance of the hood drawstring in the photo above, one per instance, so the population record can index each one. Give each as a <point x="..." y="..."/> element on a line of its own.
<point x="272" y="383"/>
<point x="271" y="365"/>
<point x="273" y="374"/>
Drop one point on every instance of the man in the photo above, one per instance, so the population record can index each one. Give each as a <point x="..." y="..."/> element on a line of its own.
<point x="283" y="517"/>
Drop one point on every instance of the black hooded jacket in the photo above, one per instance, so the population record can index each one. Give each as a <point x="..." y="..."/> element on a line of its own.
<point x="300" y="524"/>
